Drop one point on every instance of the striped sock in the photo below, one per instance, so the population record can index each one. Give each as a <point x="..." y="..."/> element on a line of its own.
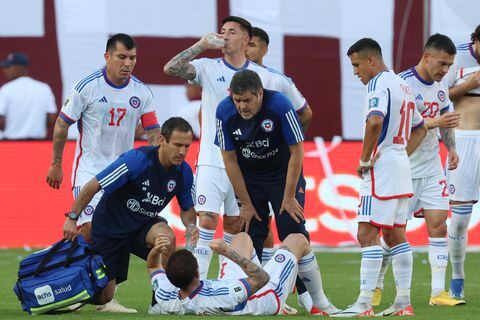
<point x="387" y="260"/>
<point x="203" y="253"/>
<point x="369" y="269"/>
<point x="309" y="272"/>
<point x="267" y="254"/>
<point x="458" y="237"/>
<point x="402" y="265"/>
<point x="438" y="258"/>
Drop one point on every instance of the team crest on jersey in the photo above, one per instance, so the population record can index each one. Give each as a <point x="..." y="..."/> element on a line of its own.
<point x="267" y="125"/>
<point x="373" y="103"/>
<point x="280" y="258"/>
<point x="89" y="210"/>
<point x="134" y="102"/>
<point x="201" y="199"/>
<point x="171" y="185"/>
<point x="441" y="95"/>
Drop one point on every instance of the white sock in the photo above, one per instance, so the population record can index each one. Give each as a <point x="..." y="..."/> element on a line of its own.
<point x="227" y="237"/>
<point x="309" y="272"/>
<point x="203" y="253"/>
<point x="402" y="265"/>
<point x="369" y="269"/>
<point x="387" y="260"/>
<point x="438" y="258"/>
<point x="458" y="238"/>
<point x="267" y="254"/>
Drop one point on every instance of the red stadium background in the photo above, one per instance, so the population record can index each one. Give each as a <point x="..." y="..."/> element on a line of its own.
<point x="32" y="212"/>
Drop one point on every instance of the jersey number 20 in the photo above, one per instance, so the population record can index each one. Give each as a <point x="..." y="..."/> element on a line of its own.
<point x="121" y="113"/>
<point x="405" y="124"/>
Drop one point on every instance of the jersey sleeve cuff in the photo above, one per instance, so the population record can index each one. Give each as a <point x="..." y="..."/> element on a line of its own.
<point x="445" y="109"/>
<point x="247" y="286"/>
<point x="302" y="108"/>
<point x="66" y="118"/>
<point x="418" y="125"/>
<point x="375" y="113"/>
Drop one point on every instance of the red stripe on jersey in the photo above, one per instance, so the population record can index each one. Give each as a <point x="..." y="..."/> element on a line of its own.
<point x="461" y="73"/>
<point x="149" y="119"/>
<point x="81" y="150"/>
<point x="418" y="214"/>
<point x="257" y="296"/>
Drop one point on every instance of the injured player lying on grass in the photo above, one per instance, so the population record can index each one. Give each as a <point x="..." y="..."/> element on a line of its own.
<point x="243" y="287"/>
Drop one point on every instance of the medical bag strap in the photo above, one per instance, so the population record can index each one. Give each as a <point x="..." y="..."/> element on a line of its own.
<point x="48" y="257"/>
<point x="71" y="251"/>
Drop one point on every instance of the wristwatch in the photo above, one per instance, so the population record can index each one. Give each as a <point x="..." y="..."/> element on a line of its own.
<point x="72" y="215"/>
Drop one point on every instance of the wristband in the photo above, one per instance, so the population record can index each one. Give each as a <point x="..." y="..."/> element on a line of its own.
<point x="365" y="163"/>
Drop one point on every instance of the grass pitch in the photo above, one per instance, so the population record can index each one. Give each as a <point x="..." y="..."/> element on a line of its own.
<point x="340" y="272"/>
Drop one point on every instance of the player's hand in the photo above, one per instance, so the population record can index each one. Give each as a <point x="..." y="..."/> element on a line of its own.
<point x="361" y="170"/>
<point x="192" y="234"/>
<point x="247" y="213"/>
<point x="207" y="45"/>
<point x="293" y="208"/>
<point x="70" y="231"/>
<point x="449" y="120"/>
<point x="162" y="243"/>
<point x="219" y="246"/>
<point x="453" y="160"/>
<point x="55" y="176"/>
<point x="473" y="80"/>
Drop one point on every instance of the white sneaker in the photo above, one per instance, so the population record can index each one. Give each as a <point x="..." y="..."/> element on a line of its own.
<point x="286" y="310"/>
<point x="114" y="306"/>
<point x="305" y="301"/>
<point x="155" y="309"/>
<point x="328" y="311"/>
<point x="76" y="306"/>
<point x="355" y="310"/>
<point x="392" y="311"/>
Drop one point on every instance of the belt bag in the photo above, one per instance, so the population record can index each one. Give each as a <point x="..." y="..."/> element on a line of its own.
<point x="61" y="275"/>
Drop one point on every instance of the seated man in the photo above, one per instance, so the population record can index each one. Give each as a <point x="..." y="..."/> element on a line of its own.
<point x="244" y="288"/>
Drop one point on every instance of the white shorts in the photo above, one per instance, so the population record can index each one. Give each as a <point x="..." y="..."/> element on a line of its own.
<point x="464" y="182"/>
<point x="214" y="190"/>
<point x="383" y="213"/>
<point x="430" y="193"/>
<point x="87" y="214"/>
<point x="282" y="269"/>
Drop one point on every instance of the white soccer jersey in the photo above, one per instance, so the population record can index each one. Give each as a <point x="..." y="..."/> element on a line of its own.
<point x="212" y="297"/>
<point x="215" y="75"/>
<point x="25" y="102"/>
<point x="431" y="99"/>
<point x="390" y="97"/>
<point x="107" y="116"/>
<point x="465" y="58"/>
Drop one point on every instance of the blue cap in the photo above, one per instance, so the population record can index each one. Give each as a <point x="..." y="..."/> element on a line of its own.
<point x="15" y="59"/>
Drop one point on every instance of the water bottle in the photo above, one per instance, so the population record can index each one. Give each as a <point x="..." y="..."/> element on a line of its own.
<point x="215" y="40"/>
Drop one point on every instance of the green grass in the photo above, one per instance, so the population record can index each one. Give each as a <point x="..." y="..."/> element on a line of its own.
<point x="340" y="273"/>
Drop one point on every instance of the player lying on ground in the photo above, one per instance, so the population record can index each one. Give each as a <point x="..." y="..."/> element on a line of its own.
<point x="243" y="288"/>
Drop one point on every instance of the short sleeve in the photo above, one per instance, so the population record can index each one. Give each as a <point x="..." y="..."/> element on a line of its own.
<point x="223" y="138"/>
<point x="377" y="103"/>
<point x="50" y="105"/>
<point x="127" y="167"/>
<point x="166" y="294"/>
<point x="184" y="197"/>
<point x="3" y="103"/>
<point x="149" y="117"/>
<point x="289" y="89"/>
<point x="73" y="107"/>
<point x="291" y="128"/>
<point x="199" y="65"/>
<point x="451" y="76"/>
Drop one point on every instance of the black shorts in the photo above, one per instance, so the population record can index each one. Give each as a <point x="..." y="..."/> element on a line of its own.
<point x="116" y="251"/>
<point x="261" y="195"/>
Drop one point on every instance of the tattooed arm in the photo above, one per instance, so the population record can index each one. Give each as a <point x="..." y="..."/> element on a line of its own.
<point x="257" y="277"/>
<point x="60" y="135"/>
<point x="180" y="65"/>
<point x="153" y="136"/>
<point x="448" y="138"/>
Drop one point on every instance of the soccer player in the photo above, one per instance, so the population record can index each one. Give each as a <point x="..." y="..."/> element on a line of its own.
<point x="430" y="198"/>
<point x="244" y="288"/>
<point x="465" y="181"/>
<point x="262" y="147"/>
<point x="386" y="180"/>
<point x="137" y="187"/>
<point x="212" y="187"/>
<point x="257" y="48"/>
<point x="107" y="106"/>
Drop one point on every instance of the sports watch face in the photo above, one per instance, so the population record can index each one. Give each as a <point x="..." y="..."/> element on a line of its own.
<point x="72" y="215"/>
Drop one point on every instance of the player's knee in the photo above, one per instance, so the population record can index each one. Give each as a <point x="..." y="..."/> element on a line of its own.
<point x="367" y="237"/>
<point x="232" y="224"/>
<point x="437" y="230"/>
<point x="208" y="220"/>
<point x="242" y="239"/>
<point x="296" y="239"/>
